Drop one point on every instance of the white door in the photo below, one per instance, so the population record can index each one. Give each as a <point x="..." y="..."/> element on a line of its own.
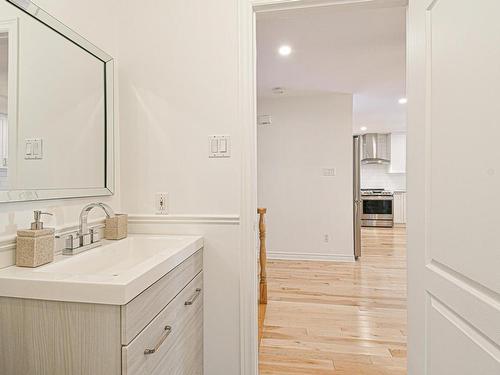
<point x="454" y="187"/>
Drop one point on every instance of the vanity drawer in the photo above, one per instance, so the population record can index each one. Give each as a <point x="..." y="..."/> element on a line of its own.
<point x="142" y="309"/>
<point x="174" y="338"/>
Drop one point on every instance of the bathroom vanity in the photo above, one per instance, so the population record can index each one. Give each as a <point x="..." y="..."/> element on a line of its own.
<point x="129" y="307"/>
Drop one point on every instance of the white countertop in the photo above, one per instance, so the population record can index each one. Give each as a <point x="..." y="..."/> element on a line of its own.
<point x="112" y="274"/>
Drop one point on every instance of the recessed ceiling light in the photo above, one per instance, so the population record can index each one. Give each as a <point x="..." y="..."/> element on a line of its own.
<point x="403" y="101"/>
<point x="364" y="128"/>
<point x="285" y="50"/>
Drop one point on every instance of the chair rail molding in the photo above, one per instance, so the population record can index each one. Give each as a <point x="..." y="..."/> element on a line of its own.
<point x="229" y="219"/>
<point x="247" y="117"/>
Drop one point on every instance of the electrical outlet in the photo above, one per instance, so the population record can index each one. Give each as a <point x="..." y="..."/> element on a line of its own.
<point x="327" y="238"/>
<point x="161" y="203"/>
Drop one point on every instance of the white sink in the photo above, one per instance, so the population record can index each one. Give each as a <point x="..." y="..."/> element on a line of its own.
<point x="113" y="273"/>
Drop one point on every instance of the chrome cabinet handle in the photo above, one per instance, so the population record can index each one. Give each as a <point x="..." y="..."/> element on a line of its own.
<point x="193" y="297"/>
<point x="168" y="330"/>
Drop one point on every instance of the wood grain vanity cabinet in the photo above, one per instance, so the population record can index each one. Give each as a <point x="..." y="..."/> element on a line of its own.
<point x="159" y="332"/>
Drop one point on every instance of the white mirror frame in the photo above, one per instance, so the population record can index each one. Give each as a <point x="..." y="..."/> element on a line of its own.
<point x="11" y="27"/>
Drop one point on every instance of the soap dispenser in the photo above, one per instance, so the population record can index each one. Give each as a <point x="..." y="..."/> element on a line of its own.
<point x="35" y="246"/>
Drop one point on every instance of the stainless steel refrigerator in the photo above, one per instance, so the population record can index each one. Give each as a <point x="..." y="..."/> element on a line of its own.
<point x="357" y="202"/>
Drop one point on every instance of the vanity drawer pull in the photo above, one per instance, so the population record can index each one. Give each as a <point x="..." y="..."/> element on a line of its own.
<point x="193" y="297"/>
<point x="168" y="330"/>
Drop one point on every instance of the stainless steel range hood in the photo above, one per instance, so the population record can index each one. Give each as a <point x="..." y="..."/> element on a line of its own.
<point x="376" y="148"/>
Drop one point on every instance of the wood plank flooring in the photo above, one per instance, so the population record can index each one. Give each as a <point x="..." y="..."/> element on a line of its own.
<point x="330" y="318"/>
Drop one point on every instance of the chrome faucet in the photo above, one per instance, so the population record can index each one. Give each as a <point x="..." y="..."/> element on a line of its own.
<point x="83" y="227"/>
<point x="86" y="238"/>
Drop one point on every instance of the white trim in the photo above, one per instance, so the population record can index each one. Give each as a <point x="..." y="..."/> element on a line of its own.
<point x="248" y="121"/>
<point x="11" y="27"/>
<point x="184" y="219"/>
<point x="249" y="331"/>
<point x="283" y="255"/>
<point x="277" y="5"/>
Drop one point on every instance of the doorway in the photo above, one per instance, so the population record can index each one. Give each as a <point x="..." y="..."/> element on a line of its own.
<point x="307" y="254"/>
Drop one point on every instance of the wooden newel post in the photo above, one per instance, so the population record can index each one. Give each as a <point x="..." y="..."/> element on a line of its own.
<point x="263" y="255"/>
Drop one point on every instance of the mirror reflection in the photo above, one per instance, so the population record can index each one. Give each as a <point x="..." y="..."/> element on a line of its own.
<point x="53" y="110"/>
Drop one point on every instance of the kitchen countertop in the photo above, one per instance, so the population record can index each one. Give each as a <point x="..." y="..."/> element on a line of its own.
<point x="112" y="274"/>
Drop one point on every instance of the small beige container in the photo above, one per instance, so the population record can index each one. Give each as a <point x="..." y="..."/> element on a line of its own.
<point x="34" y="247"/>
<point x="116" y="228"/>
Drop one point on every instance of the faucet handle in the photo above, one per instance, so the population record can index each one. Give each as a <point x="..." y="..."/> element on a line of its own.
<point x="94" y="235"/>
<point x="85" y="239"/>
<point x="71" y="241"/>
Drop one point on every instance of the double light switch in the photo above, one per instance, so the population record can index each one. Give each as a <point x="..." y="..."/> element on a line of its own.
<point x="219" y="146"/>
<point x="33" y="148"/>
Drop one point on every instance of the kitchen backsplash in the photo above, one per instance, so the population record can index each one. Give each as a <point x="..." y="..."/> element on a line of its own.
<point x="378" y="176"/>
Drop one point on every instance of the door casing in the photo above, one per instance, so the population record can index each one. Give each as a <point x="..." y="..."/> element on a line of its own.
<point x="247" y="10"/>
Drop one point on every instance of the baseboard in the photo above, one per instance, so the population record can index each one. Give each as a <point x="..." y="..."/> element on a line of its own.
<point x="310" y="256"/>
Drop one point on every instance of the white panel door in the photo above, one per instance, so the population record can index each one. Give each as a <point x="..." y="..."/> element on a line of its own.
<point x="454" y="182"/>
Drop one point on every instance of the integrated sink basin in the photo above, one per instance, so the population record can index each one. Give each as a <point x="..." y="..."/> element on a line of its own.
<point x="113" y="273"/>
<point x="115" y="258"/>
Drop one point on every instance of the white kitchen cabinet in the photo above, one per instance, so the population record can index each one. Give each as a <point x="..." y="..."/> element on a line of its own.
<point x="399" y="207"/>
<point x="398" y="153"/>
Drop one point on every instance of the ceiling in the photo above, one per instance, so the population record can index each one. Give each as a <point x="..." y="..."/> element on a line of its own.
<point x="359" y="51"/>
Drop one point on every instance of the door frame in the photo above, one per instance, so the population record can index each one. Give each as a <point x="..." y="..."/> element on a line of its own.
<point x="247" y="10"/>
<point x="11" y="27"/>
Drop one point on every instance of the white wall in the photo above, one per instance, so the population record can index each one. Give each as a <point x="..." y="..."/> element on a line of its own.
<point x="97" y="21"/>
<point x="178" y="85"/>
<point x="308" y="133"/>
<point x="378" y="176"/>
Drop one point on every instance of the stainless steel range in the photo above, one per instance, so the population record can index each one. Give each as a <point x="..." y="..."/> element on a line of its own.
<point x="377" y="208"/>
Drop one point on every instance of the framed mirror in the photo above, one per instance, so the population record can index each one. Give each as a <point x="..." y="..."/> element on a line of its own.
<point x="56" y="109"/>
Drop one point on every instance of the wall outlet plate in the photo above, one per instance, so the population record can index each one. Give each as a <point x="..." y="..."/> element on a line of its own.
<point x="161" y="203"/>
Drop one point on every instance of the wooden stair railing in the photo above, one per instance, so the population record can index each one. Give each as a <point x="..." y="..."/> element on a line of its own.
<point x="262" y="256"/>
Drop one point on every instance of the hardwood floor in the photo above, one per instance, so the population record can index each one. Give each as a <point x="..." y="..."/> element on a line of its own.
<point x="338" y="318"/>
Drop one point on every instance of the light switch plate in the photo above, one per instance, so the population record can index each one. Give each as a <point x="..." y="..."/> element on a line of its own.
<point x="33" y="148"/>
<point x="219" y="146"/>
<point x="329" y="172"/>
<point x="264" y="120"/>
